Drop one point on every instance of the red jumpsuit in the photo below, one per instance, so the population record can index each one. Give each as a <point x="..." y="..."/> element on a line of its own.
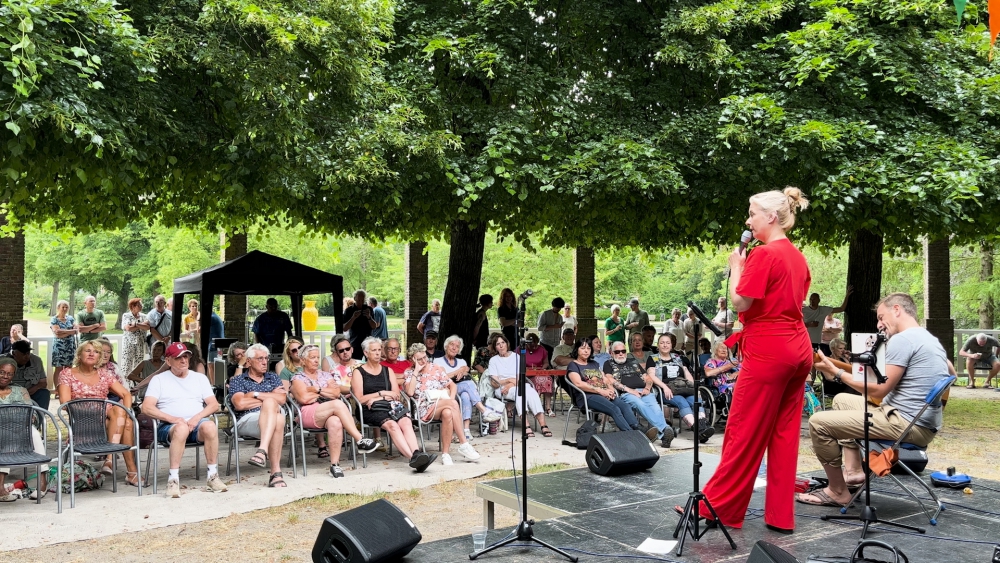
<point x="767" y="402"/>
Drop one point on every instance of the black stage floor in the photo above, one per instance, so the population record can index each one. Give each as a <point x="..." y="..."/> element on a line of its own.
<point x="611" y="516"/>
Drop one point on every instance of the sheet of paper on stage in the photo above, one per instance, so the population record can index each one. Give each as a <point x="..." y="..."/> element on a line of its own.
<point x="659" y="547"/>
<point x="759" y="482"/>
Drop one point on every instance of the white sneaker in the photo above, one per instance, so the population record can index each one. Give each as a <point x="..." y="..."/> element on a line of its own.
<point x="216" y="485"/>
<point x="173" y="488"/>
<point x="468" y="451"/>
<point x="446" y="459"/>
<point x="491" y="416"/>
<point x="468" y="435"/>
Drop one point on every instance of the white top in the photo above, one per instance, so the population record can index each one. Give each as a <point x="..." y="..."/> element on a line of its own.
<point x="503" y="368"/>
<point x="810" y="315"/>
<point x="459" y="363"/>
<point x="180" y="396"/>
<point x="569" y="322"/>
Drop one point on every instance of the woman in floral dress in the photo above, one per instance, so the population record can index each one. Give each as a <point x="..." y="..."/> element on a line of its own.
<point x="135" y="327"/>
<point x="64" y="345"/>
<point x="434" y="393"/>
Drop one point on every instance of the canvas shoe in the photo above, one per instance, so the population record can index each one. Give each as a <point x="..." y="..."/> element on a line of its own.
<point x="215" y="484"/>
<point x="367" y="445"/>
<point x="490" y="416"/>
<point x="173" y="488"/>
<point x="667" y="438"/>
<point x="468" y="451"/>
<point x="336" y="471"/>
<point x="446" y="460"/>
<point x="468" y="435"/>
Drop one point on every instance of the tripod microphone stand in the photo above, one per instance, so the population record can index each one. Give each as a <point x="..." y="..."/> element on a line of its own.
<point x="690" y="521"/>
<point x="524" y="531"/>
<point x="868" y="514"/>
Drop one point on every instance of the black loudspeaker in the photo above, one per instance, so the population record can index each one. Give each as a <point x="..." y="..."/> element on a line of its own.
<point x="374" y="532"/>
<point x="617" y="453"/>
<point x="764" y="552"/>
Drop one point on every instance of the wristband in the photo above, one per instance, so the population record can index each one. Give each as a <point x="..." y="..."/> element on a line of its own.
<point x="836" y="376"/>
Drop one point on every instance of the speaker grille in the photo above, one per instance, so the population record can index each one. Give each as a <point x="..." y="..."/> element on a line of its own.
<point x="764" y="552"/>
<point x="616" y="453"/>
<point x="377" y="531"/>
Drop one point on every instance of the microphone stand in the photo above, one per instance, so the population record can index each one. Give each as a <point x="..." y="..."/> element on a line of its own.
<point x="868" y="514"/>
<point x="690" y="522"/>
<point x="524" y="531"/>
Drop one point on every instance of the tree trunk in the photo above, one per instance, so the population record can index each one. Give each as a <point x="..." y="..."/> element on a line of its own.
<point x="461" y="293"/>
<point x="986" y="309"/>
<point x="864" y="273"/>
<point x="123" y="301"/>
<point x="72" y="301"/>
<point x="55" y="298"/>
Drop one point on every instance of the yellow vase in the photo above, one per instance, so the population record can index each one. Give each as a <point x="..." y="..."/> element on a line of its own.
<point x="310" y="316"/>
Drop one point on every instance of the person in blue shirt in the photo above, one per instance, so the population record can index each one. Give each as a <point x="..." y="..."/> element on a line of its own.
<point x="271" y="326"/>
<point x="378" y="314"/>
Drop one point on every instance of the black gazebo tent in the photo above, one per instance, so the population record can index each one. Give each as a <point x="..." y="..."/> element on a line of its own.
<point x="256" y="273"/>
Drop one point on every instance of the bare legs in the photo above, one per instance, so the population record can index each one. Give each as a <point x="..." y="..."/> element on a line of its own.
<point x="402" y="435"/>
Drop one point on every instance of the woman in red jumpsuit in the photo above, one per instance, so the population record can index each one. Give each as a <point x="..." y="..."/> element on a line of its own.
<point x="769" y="286"/>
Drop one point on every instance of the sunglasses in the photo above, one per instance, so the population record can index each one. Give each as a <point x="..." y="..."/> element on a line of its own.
<point x="292" y="350"/>
<point x="342" y="350"/>
<point x="619" y="352"/>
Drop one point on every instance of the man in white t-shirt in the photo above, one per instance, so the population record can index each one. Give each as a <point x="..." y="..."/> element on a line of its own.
<point x="813" y="316"/>
<point x="181" y="400"/>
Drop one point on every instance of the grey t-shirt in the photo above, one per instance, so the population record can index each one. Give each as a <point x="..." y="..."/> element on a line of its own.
<point x="986" y="349"/>
<point x="817" y="315"/>
<point x="923" y="357"/>
<point x="153" y="317"/>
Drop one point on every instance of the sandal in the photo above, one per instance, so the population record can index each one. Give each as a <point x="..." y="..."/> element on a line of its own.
<point x="276" y="481"/>
<point x="323" y="452"/>
<point x="823" y="499"/>
<point x="132" y="478"/>
<point x="529" y="433"/>
<point x="106" y="469"/>
<point x="546" y="432"/>
<point x="259" y="458"/>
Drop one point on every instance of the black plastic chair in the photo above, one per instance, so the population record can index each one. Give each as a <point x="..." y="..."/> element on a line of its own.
<point x="297" y="424"/>
<point x="85" y="422"/>
<point x="17" y="449"/>
<point x="154" y="448"/>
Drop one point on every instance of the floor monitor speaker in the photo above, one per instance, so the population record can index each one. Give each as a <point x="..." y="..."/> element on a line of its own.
<point x="617" y="453"/>
<point x="371" y="533"/>
<point x="764" y="552"/>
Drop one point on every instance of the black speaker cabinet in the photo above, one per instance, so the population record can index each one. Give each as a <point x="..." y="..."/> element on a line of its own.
<point x="764" y="552"/>
<point x="617" y="453"/>
<point x="371" y="533"/>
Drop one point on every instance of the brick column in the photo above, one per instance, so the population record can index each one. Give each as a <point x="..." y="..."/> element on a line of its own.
<point x="415" y="303"/>
<point x="583" y="290"/>
<point x="234" y="307"/>
<point x="937" y="294"/>
<point x="12" y="296"/>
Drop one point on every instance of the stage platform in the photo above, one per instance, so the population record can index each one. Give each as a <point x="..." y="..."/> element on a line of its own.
<point x="612" y="516"/>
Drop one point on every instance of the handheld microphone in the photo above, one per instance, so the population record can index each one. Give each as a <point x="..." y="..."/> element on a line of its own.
<point x="745" y="240"/>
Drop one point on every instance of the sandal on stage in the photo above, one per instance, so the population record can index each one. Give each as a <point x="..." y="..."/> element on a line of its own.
<point x="276" y="481"/>
<point x="823" y="499"/>
<point x="546" y="432"/>
<point x="259" y="458"/>
<point x="323" y="452"/>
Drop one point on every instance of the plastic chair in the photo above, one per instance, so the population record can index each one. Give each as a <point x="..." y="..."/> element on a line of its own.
<point x="234" y="438"/>
<point x="85" y="422"/>
<point x="17" y="448"/>
<point x="296" y="411"/>
<point x="585" y="411"/>
<point x="154" y="448"/>
<point x="933" y="398"/>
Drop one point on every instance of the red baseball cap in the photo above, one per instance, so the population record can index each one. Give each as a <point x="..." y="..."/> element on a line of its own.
<point x="176" y="350"/>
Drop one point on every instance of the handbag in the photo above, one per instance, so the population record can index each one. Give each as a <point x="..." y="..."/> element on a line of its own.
<point x="680" y="386"/>
<point x="146" y="436"/>
<point x="396" y="409"/>
<point x="585" y="432"/>
<point x="437" y="394"/>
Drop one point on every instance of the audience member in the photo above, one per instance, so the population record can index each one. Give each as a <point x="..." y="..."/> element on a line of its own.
<point x="705" y="346"/>
<point x="30" y="373"/>
<point x="290" y="362"/>
<point x="191" y="329"/>
<point x="86" y="380"/>
<point x="342" y="362"/>
<point x="466" y="391"/>
<point x="598" y="386"/>
<point x="90" y="321"/>
<point x="635" y="348"/>
<point x="637" y="318"/>
<point x="484" y="354"/>
<point x="393" y="360"/>
<point x="838" y="351"/>
<point x="634" y="386"/>
<point x="183" y="400"/>
<point x="236" y="359"/>
<point x="358" y="320"/>
<point x="724" y="318"/>
<point x="536" y="357"/>
<point x="318" y="395"/>
<point x="431" y="342"/>
<point x="134" y="328"/>
<point x="689" y="332"/>
<point x="434" y="395"/>
<point x="258" y="398"/>
<point x="507" y="314"/>
<point x="378" y="313"/>
<point x="216" y="329"/>
<point x="648" y="338"/>
<point x="721" y="370"/>
<point x="375" y="388"/>
<point x="481" y="325"/>
<point x="813" y="315"/>
<point x="18" y="395"/>
<point x="160" y="320"/>
<point x="64" y="346"/>
<point x="271" y="326"/>
<point x="675" y="326"/>
<point x="16" y="335"/>
<point x="108" y="364"/>
<point x="431" y="319"/>
<point x="503" y="377"/>
<point x="550" y="324"/>
<point x="980" y="349"/>
<point x="197" y="362"/>
<point x="562" y="354"/>
<point x="666" y="370"/>
<point x="832" y="327"/>
<point x="614" y="326"/>
<point x="569" y="321"/>
<point x="147" y="368"/>
<point x="599" y="356"/>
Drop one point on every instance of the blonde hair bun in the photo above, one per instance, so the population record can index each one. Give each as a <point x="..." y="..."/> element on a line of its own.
<point x="796" y="201"/>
